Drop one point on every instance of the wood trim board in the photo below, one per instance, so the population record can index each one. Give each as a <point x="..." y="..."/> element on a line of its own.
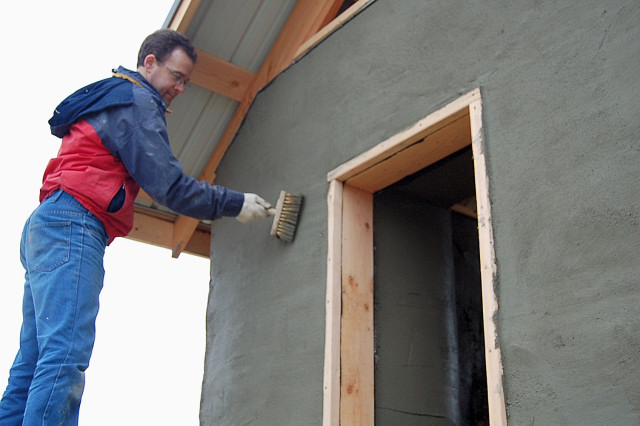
<point x="356" y="366"/>
<point x="331" y="27"/>
<point x="489" y="271"/>
<point x="453" y="127"/>
<point x="331" y="383"/>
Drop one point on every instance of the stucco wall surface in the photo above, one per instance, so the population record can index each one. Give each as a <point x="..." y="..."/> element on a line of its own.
<point x="560" y="91"/>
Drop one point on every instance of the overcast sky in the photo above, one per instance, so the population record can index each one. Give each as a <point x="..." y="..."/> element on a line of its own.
<point x="148" y="358"/>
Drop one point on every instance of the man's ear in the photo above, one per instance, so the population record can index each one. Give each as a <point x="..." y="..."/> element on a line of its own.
<point x="149" y="61"/>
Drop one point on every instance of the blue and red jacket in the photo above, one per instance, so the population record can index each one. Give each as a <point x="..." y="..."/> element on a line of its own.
<point x="114" y="141"/>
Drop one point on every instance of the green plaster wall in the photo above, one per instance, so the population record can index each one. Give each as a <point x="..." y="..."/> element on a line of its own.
<point x="560" y="91"/>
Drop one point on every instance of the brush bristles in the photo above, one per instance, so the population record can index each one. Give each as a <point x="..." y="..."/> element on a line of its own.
<point x="285" y="220"/>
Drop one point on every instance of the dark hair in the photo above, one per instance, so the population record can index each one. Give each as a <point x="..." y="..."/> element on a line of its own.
<point x="162" y="43"/>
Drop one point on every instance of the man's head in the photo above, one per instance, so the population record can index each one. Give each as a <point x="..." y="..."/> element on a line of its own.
<point x="166" y="59"/>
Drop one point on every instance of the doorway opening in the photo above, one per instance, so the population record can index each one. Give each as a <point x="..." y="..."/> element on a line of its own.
<point x="429" y="345"/>
<point x="363" y="195"/>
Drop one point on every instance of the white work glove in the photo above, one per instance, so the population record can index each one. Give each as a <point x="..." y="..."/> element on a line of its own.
<point x="253" y="208"/>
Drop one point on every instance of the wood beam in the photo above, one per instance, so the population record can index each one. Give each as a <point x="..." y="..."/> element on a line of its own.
<point x="333" y="309"/>
<point x="211" y="72"/>
<point x="220" y="76"/>
<point x="323" y="17"/>
<point x="144" y="196"/>
<point x="157" y="230"/>
<point x="356" y="354"/>
<point x="331" y="15"/>
<point x="407" y="161"/>
<point x="306" y="15"/>
<point x="428" y="125"/>
<point x="181" y="234"/>
<point x="305" y="18"/>
<point x="488" y="271"/>
<point x="325" y="30"/>
<point x="184" y="15"/>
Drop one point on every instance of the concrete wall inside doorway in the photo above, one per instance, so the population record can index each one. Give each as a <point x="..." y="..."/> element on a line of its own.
<point x="429" y="359"/>
<point x="416" y="361"/>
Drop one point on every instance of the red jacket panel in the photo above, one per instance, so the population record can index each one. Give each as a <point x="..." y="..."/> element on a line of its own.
<point x="87" y="170"/>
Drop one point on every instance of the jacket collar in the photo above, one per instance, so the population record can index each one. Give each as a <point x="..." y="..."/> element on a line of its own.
<point x="137" y="78"/>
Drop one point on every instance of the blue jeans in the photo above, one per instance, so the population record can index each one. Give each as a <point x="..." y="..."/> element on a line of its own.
<point x="62" y="251"/>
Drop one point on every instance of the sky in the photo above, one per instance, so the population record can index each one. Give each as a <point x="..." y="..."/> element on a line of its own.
<point x="148" y="358"/>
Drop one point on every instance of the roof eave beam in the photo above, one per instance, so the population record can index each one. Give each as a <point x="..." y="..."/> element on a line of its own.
<point x="158" y="229"/>
<point x="220" y="76"/>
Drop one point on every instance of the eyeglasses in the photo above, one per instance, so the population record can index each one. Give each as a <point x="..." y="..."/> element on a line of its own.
<point x="178" y="77"/>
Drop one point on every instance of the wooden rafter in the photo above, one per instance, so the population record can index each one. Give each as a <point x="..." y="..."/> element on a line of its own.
<point x="305" y="19"/>
<point x="220" y="76"/>
<point x="211" y="72"/>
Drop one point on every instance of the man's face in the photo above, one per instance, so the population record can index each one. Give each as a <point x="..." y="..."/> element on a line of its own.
<point x="170" y="76"/>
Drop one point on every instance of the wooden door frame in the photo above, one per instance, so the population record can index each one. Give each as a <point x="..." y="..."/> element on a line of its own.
<point x="349" y="368"/>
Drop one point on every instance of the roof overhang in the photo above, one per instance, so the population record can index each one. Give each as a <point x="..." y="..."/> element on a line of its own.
<point x="241" y="48"/>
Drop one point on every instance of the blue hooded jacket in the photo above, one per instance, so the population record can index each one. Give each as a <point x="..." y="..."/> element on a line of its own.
<point x="130" y="122"/>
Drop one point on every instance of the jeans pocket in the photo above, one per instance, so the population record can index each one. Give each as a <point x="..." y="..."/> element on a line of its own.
<point x="50" y="245"/>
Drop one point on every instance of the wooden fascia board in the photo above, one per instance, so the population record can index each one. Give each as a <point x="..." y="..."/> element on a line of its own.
<point x="306" y="15"/>
<point x="328" y="11"/>
<point x="305" y="18"/>
<point x="220" y="76"/>
<point x="184" y="15"/>
<point x="330" y="16"/>
<point x="332" y="26"/>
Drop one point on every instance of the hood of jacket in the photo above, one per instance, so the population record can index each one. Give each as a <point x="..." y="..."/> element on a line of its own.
<point x="108" y="93"/>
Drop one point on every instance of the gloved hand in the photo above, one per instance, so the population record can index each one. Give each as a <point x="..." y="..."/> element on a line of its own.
<point x="253" y="208"/>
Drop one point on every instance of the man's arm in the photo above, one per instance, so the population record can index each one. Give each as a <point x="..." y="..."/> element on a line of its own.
<point x="137" y="136"/>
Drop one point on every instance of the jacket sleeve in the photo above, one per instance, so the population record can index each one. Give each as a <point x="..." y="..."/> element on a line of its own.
<point x="137" y="136"/>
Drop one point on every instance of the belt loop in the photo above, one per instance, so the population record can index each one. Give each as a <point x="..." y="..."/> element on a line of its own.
<point x="56" y="195"/>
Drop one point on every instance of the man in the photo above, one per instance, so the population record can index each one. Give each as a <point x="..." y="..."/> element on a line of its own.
<point x="114" y="141"/>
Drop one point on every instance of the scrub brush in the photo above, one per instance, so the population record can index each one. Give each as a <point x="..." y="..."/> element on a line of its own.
<point x="285" y="220"/>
